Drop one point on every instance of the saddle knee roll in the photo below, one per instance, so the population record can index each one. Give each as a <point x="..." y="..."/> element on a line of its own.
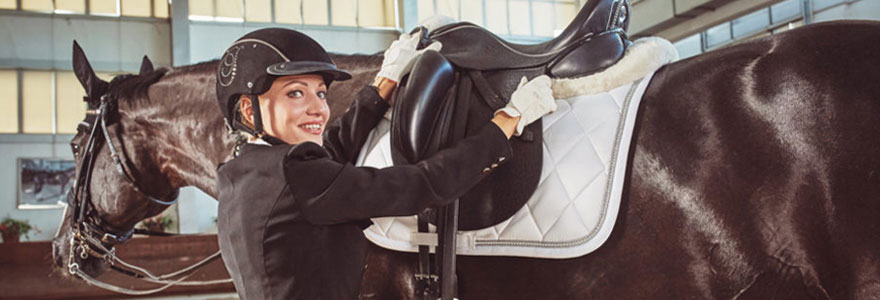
<point x="423" y="111"/>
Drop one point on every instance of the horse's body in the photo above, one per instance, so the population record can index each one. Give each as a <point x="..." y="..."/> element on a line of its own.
<point x="754" y="173"/>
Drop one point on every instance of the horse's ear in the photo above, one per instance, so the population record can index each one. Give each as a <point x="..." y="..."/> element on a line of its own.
<point x="94" y="86"/>
<point x="146" y="66"/>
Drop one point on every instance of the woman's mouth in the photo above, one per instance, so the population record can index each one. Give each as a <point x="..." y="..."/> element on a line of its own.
<point x="312" y="128"/>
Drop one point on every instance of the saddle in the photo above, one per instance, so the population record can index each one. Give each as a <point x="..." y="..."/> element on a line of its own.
<point x="451" y="94"/>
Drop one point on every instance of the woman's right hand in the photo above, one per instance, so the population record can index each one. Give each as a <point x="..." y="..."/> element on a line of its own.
<point x="531" y="101"/>
<point x="401" y="54"/>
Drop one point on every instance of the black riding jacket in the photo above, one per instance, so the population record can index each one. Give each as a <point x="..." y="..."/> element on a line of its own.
<point x="291" y="216"/>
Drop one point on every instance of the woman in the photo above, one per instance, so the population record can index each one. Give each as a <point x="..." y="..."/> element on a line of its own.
<point x="292" y="212"/>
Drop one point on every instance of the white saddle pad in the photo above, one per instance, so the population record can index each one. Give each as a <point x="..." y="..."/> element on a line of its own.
<point x="573" y="210"/>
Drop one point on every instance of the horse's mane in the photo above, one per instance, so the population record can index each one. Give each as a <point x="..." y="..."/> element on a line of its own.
<point x="210" y="65"/>
<point x="132" y="87"/>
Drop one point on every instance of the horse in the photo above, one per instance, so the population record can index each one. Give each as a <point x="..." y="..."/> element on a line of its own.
<point x="754" y="173"/>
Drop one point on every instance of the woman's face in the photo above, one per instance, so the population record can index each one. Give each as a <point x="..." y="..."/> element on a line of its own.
<point x="294" y="109"/>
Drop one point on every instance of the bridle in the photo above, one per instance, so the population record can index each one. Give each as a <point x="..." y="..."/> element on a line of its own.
<point x="92" y="236"/>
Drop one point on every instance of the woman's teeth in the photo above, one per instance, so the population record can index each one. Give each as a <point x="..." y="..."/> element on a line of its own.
<point x="314" y="127"/>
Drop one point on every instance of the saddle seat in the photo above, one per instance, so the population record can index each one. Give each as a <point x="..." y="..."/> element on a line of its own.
<point x="599" y="27"/>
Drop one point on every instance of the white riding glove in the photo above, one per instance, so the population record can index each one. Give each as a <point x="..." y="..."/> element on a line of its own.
<point x="401" y="55"/>
<point x="531" y="101"/>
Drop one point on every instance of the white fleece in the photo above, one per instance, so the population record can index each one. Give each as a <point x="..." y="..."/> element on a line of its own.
<point x="644" y="56"/>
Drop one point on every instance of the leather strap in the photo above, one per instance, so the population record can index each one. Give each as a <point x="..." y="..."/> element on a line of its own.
<point x="494" y="101"/>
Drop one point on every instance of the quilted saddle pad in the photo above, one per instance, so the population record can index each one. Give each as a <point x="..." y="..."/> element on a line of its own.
<point x="573" y="210"/>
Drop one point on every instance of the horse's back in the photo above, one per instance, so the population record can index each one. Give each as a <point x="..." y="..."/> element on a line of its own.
<point x="763" y="159"/>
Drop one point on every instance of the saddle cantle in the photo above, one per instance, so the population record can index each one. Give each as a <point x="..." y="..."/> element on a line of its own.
<point x="484" y="73"/>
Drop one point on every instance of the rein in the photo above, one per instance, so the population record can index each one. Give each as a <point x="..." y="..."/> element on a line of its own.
<point x="92" y="237"/>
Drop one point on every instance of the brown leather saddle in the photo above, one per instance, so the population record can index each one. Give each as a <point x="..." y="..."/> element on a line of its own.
<point x="451" y="94"/>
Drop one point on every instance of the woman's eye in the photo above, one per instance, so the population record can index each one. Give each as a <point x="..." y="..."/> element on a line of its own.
<point x="322" y="95"/>
<point x="295" y="94"/>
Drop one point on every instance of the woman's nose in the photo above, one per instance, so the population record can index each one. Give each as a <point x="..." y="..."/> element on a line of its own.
<point x="317" y="105"/>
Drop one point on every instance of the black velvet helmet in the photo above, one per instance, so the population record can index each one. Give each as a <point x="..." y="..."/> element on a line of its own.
<point x="254" y="61"/>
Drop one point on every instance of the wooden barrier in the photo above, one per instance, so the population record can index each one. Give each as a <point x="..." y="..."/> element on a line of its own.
<point x="27" y="271"/>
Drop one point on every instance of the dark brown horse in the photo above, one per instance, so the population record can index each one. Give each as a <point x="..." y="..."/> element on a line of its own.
<point x="754" y="174"/>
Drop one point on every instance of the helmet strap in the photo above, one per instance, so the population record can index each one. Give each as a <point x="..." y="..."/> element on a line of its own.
<point x="258" y="116"/>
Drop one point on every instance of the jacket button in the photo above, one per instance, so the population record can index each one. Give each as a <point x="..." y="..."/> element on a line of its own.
<point x="500" y="159"/>
<point x="493" y="165"/>
<point x="486" y="170"/>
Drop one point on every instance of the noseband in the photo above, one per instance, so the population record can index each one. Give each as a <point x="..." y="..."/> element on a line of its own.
<point x="92" y="236"/>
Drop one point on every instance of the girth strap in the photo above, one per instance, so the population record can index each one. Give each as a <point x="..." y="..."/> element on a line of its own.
<point x="492" y="98"/>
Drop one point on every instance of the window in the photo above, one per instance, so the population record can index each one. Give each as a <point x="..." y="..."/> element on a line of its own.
<point x="160" y="9"/>
<point x="376" y="13"/>
<point x="8" y="4"/>
<point x="201" y="8"/>
<point x="136" y="8"/>
<point x="113" y="8"/>
<point x="718" y="35"/>
<point x="258" y="10"/>
<point x="288" y="11"/>
<point x="103" y="7"/>
<point x="689" y="46"/>
<point x="228" y="10"/>
<point x="565" y="13"/>
<point x="426" y="9"/>
<point x="344" y="12"/>
<point x="70" y="6"/>
<point x="38" y="5"/>
<point x="520" y="22"/>
<point x="823" y="4"/>
<point x="315" y="12"/>
<point x="8" y="101"/>
<point x="751" y="23"/>
<point x="785" y="10"/>
<point x="543" y="14"/>
<point x="349" y="13"/>
<point x="538" y="18"/>
<point x="473" y="12"/>
<point x="496" y="16"/>
<point x="37" y="107"/>
<point x="450" y="8"/>
<point x="68" y="102"/>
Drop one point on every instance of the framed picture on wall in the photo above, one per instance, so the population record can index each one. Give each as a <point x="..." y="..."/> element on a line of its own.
<point x="44" y="183"/>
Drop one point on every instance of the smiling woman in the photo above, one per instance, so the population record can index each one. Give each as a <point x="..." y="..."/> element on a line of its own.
<point x="295" y="109"/>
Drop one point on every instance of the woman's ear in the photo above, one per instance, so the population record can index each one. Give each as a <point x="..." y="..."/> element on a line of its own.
<point x="247" y="110"/>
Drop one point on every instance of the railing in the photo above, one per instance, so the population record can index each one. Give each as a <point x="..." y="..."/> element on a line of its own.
<point x="27" y="271"/>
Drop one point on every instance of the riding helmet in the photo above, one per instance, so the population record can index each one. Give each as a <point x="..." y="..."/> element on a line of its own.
<point x="254" y="61"/>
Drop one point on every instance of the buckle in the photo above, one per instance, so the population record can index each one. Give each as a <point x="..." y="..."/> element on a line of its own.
<point x="110" y="238"/>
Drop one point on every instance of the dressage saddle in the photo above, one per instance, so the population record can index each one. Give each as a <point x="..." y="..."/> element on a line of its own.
<point x="451" y="94"/>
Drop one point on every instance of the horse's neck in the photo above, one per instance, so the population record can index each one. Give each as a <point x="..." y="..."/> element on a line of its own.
<point x="189" y="140"/>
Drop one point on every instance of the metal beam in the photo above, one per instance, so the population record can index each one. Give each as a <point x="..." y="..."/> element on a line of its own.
<point x="807" y="10"/>
<point x="687" y="27"/>
<point x="180" y="55"/>
<point x="409" y="14"/>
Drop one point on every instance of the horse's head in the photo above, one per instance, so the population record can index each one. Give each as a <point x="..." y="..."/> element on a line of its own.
<point x="118" y="182"/>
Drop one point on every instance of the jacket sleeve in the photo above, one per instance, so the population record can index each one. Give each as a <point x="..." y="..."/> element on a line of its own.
<point x="345" y="136"/>
<point x="328" y="192"/>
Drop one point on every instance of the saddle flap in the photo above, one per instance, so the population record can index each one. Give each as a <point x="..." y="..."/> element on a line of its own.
<point x="422" y="114"/>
